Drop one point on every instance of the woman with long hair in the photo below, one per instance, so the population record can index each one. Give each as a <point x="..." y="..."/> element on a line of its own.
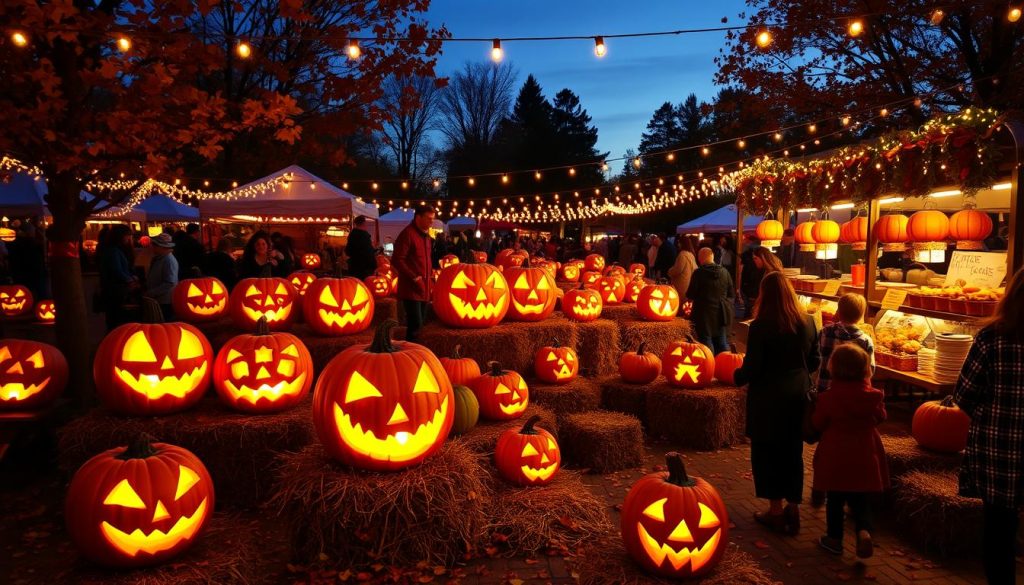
<point x="991" y="391"/>
<point x="258" y="256"/>
<point x="781" y="353"/>
<point x="754" y="264"/>
<point x="117" y="280"/>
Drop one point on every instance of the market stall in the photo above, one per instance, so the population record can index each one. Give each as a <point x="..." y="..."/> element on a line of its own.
<point x="721" y="220"/>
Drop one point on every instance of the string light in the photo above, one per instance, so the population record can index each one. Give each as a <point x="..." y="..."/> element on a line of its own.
<point x="741" y="143"/>
<point x="572" y="172"/>
<point x="243" y="50"/>
<point x="763" y="39"/>
<point x="777" y="137"/>
<point x="504" y="179"/>
<point x="353" y="51"/>
<point x="856" y="27"/>
<point x="811" y="129"/>
<point x="496" y="53"/>
<point x="705" y="151"/>
<point x="1014" y="14"/>
<point x="471" y="181"/>
<point x="936" y="17"/>
<point x="536" y="175"/>
<point x="19" y="38"/>
<point x="884" y="112"/>
<point x="599" y="47"/>
<point x="846" y="120"/>
<point x="124" y="44"/>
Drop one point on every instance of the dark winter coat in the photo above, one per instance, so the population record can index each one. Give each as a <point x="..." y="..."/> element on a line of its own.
<point x="359" y="250"/>
<point x="850" y="456"/>
<point x="412" y="259"/>
<point x="712" y="293"/>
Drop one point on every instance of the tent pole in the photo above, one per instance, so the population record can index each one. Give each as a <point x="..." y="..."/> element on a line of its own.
<point x="738" y="246"/>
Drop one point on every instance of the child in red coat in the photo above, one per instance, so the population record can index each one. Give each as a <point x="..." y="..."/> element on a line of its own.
<point x="849" y="462"/>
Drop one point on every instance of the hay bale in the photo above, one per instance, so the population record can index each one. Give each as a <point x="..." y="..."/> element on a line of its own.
<point x="657" y="334"/>
<point x="384" y="309"/>
<point x="559" y="516"/>
<point x="605" y="562"/>
<point x="323" y="349"/>
<point x="484" y="436"/>
<point x="929" y="510"/>
<point x="620" y="396"/>
<point x="708" y="418"/>
<point x="602" y="441"/>
<point x="617" y="313"/>
<point x="511" y="343"/>
<point x="431" y="512"/>
<point x="904" y="455"/>
<point x="580" y="395"/>
<point x="237" y="448"/>
<point x="228" y="552"/>
<point x="598" y="347"/>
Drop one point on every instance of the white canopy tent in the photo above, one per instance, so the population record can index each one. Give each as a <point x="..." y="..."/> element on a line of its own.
<point x="719" y="220"/>
<point x="393" y="222"/>
<point x="24" y="196"/>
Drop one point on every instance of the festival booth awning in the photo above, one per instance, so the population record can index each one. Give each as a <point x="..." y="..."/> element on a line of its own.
<point x="24" y="196"/>
<point x="719" y="220"/>
<point x="159" y="208"/>
<point x="393" y="222"/>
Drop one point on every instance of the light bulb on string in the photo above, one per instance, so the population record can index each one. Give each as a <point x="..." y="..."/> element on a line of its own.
<point x="599" y="47"/>
<point x="496" y="53"/>
<point x="471" y="181"/>
<point x="243" y="50"/>
<point x="884" y="112"/>
<point x="504" y="179"/>
<point x="763" y="39"/>
<point x="124" y="44"/>
<point x="353" y="51"/>
<point x="1014" y="14"/>
<point x="936" y="17"/>
<point x="741" y="144"/>
<point x="812" y="128"/>
<point x="845" y="120"/>
<point x="856" y="27"/>
<point x="777" y="136"/>
<point x="19" y="38"/>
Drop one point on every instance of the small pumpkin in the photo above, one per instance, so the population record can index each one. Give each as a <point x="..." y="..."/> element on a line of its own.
<point x="638" y="269"/>
<point x="273" y="298"/>
<point x="633" y="288"/>
<point x="556" y="364"/>
<point x="15" y="300"/>
<point x="502" y="394"/>
<point x="32" y="374"/>
<point x="380" y="286"/>
<point x="639" y="367"/>
<point x="941" y="426"/>
<point x="594" y="262"/>
<point x="726" y="364"/>
<point x="529" y="456"/>
<point x="262" y="373"/>
<point x="467" y="410"/>
<point x="301" y="279"/>
<point x="311" y="261"/>
<point x="46" y="312"/>
<point x="200" y="299"/>
<point x="338" y="306"/>
<point x="461" y="370"/>
<point x="582" y="304"/>
<point x="590" y="277"/>
<point x="612" y="290"/>
<point x="658" y="302"/>
<point x="688" y="364"/>
<point x="614" y="270"/>
<point x="570" y="272"/>
<point x="448" y="260"/>
<point x="480" y="257"/>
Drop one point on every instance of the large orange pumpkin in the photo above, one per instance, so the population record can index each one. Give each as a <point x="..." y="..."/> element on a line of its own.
<point x="197" y="300"/>
<point x="556" y="364"/>
<point x="471" y="296"/>
<point x="385" y="405"/>
<point x="338" y="306"/>
<point x="15" y="300"/>
<point x="138" y="505"/>
<point x="582" y="304"/>
<point x="533" y="292"/>
<point x="970" y="227"/>
<point x="891" y="231"/>
<point x="726" y="364"/>
<point x="461" y="370"/>
<point x="674" y="525"/>
<point x="528" y="456"/>
<point x="941" y="426"/>
<point x="769" y="232"/>
<point x="32" y="374"/>
<point x="639" y="367"/>
<point x="928" y="225"/>
<point x="265" y="372"/>
<point x="855" y="232"/>
<point x="804" y="236"/>
<point x="502" y="394"/>
<point x="658" y="302"/>
<point x="273" y="298"/>
<point x="688" y="364"/>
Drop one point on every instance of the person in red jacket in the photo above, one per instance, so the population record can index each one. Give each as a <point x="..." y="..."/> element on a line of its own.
<point x="412" y="260"/>
<point x="849" y="462"/>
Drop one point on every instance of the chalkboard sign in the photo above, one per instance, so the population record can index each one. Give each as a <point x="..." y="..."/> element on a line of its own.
<point x="982" y="269"/>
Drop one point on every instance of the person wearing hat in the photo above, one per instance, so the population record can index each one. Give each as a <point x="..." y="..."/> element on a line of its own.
<point x="163" y="273"/>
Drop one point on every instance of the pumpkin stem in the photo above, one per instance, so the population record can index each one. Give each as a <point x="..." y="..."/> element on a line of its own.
<point x="151" y="311"/>
<point x="947" y="401"/>
<point x="382" y="338"/>
<point x="677" y="470"/>
<point x="640" y="348"/>
<point x="528" y="427"/>
<point x="262" y="328"/>
<point x="140" y="448"/>
<point x="495" y="368"/>
<point x="457" y="354"/>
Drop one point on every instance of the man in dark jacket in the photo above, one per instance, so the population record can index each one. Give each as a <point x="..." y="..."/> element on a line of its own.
<point x="665" y="258"/>
<point x="359" y="249"/>
<point x="412" y="260"/>
<point x="188" y="251"/>
<point x="712" y="292"/>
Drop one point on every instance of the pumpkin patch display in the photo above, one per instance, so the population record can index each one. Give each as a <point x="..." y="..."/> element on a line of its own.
<point x="32" y="374"/>
<point x="46" y="312"/>
<point x="460" y="370"/>
<point x="674" y="525"/>
<point x="570" y="272"/>
<point x="639" y="367"/>
<point x="15" y="300"/>
<point x="582" y="304"/>
<point x="529" y="456"/>
<point x="658" y="302"/>
<point x="301" y="280"/>
<point x="139" y="505"/>
<point x="311" y="261"/>
<point x="383" y="406"/>
<point x="471" y="296"/>
<point x="261" y="373"/>
<point x="467" y="410"/>
<point x="594" y="262"/>
<point x="338" y="306"/>
<point x="726" y="364"/>
<point x="688" y="364"/>
<point x="533" y="293"/>
<point x="502" y="394"/>
<point x="273" y="298"/>
<point x="941" y="426"/>
<point x="198" y="300"/>
<point x="556" y="364"/>
<point x="151" y="369"/>
<point x="448" y="260"/>
<point x="611" y="289"/>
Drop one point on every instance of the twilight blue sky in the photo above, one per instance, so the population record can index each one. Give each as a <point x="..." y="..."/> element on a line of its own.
<point x="623" y="89"/>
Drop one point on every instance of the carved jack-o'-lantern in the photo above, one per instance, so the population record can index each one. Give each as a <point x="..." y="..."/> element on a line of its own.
<point x="480" y="257"/>
<point x="138" y="505"/>
<point x="196" y="300"/>
<point x="152" y="368"/>
<point x="556" y="364"/>
<point x="15" y="300"/>
<point x="590" y="277"/>
<point x="633" y="288"/>
<point x="46" y="312"/>
<point x="674" y="525"/>
<point x="582" y="304"/>
<point x="658" y="302"/>
<point x="301" y="280"/>
<point x="383" y="406"/>
<point x="32" y="374"/>
<point x="611" y="289"/>
<point x="614" y="270"/>
<point x="528" y="456"/>
<point x="594" y="262"/>
<point x="502" y="394"/>
<point x="570" y="272"/>
<point x="380" y="286"/>
<point x="688" y="364"/>
<point x="392" y="275"/>
<point x="448" y="260"/>
<point x="311" y="261"/>
<point x="638" y="269"/>
<point x="273" y="298"/>
<point x="338" y="306"/>
<point x="90" y="246"/>
<point x="533" y="293"/>
<point x="265" y="372"/>
<point x="509" y="258"/>
<point x="471" y="296"/>
<point x="434" y="273"/>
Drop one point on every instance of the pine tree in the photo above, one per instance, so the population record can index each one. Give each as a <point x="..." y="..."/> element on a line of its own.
<point x="576" y="138"/>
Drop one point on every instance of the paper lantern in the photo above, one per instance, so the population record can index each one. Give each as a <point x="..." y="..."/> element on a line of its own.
<point x="198" y="300"/>
<point x="273" y="298"/>
<point x="471" y="296"/>
<point x="891" y="231"/>
<point x="338" y="306"/>
<point x="528" y="456"/>
<point x="262" y="373"/>
<point x="32" y="374"/>
<point x="970" y="228"/>
<point x="769" y="232"/>
<point x="804" y="236"/>
<point x="15" y="300"/>
<point x="928" y="230"/>
<point x="46" y="312"/>
<point x="825" y="233"/>
<point x="855" y="233"/>
<point x="533" y="292"/>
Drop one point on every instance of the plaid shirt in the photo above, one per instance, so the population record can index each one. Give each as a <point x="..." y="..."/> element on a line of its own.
<point x="834" y="334"/>
<point x="991" y="391"/>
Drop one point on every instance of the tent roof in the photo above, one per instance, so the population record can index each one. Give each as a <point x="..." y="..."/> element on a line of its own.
<point x="403" y="216"/>
<point x="163" y="208"/>
<point x="462" y="222"/>
<point x="719" y="220"/>
<point x="307" y="196"/>
<point x="23" y="195"/>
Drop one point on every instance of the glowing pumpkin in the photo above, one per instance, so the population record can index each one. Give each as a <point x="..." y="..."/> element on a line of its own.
<point x="970" y="227"/>
<point x="15" y="300"/>
<point x="658" y="302"/>
<point x="928" y="225"/>
<point x="461" y="370"/>
<point x="638" y="270"/>
<point x="582" y="304"/>
<point x="726" y="364"/>
<point x="688" y="364"/>
<point x="383" y="406"/>
<point x="32" y="374"/>
<point x="90" y="246"/>
<point x="301" y="280"/>
<point x="480" y="257"/>
<point x="392" y="276"/>
<point x="804" y="236"/>
<point x="198" y="300"/>
<point x="639" y="367"/>
<point x="855" y="232"/>
<point x="46" y="312"/>
<point x="261" y="373"/>
<point x="891" y="231"/>
<point x="7" y="234"/>
<point x="528" y="456"/>
<point x="633" y="288"/>
<point x="311" y="261"/>
<point x="941" y="426"/>
<point x="448" y="260"/>
<point x="570" y="272"/>
<point x="139" y="505"/>
<point x="509" y="258"/>
<point x="533" y="293"/>
<point x="471" y="296"/>
<point x="769" y="232"/>
<point x="502" y="394"/>
<point x="338" y="306"/>
<point x="467" y="410"/>
<point x="273" y="298"/>
<point x="380" y="286"/>
<point x="611" y="289"/>
<point x="673" y="525"/>
<point x="614" y="270"/>
<point x="590" y="277"/>
<point x="556" y="364"/>
<point x="594" y="262"/>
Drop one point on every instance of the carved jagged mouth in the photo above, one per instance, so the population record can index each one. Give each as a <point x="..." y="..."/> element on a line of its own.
<point x="589" y="311"/>
<point x="157" y="540"/>
<point x="47" y="315"/>
<point x="207" y="310"/>
<point x="272" y="315"/>
<point x="18" y="391"/>
<point x="514" y="408"/>
<point x="687" y="369"/>
<point x="528" y="309"/>
<point x="400" y="446"/>
<point x="482" y="311"/>
<point x="565" y="372"/>
<point x="539" y="473"/>
<point x="13" y="306"/>
<point x="271" y="393"/>
<point x="335" y="319"/>
<point x="154" y="386"/>
<point x="697" y="557"/>
<point x="662" y="307"/>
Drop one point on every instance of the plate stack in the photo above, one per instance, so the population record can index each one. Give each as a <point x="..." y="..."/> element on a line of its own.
<point x="950" y="353"/>
<point x="926" y="362"/>
<point x="791" y="272"/>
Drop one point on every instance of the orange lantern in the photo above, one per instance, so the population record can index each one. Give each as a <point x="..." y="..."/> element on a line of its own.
<point x="855" y="232"/>
<point x="7" y="234"/>
<point x="770" y="232"/>
<point x="928" y="230"/>
<point x="826" y="234"/>
<point x="804" y="236"/>
<point x="891" y="231"/>
<point x="970" y="227"/>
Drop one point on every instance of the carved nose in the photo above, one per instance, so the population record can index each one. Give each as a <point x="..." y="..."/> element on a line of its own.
<point x="15" y="369"/>
<point x="167" y="365"/>
<point x="398" y="416"/>
<point x="263" y="373"/>
<point x="161" y="512"/>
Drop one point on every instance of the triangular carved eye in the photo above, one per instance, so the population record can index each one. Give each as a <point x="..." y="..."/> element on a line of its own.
<point x="551" y="356"/>
<point x="138" y="349"/>
<point x="360" y="296"/>
<point x="521" y="283"/>
<point x="543" y="284"/>
<point x="252" y="291"/>
<point x="124" y="495"/>
<point x="36" y="359"/>
<point x="656" y="293"/>
<point x="216" y="288"/>
<point x="495" y="280"/>
<point x="462" y="281"/>
<point x="708" y="518"/>
<point x="552" y="446"/>
<point x="327" y="297"/>
<point x="281" y="290"/>
<point x="186" y="479"/>
<point x="5" y="353"/>
<point x="677" y="351"/>
<point x="425" y="381"/>
<point x="570" y="356"/>
<point x="656" y="510"/>
<point x="190" y="346"/>
<point x="360" y="388"/>
<point x="193" y="290"/>
<point x="529" y="449"/>
<point x="502" y="389"/>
